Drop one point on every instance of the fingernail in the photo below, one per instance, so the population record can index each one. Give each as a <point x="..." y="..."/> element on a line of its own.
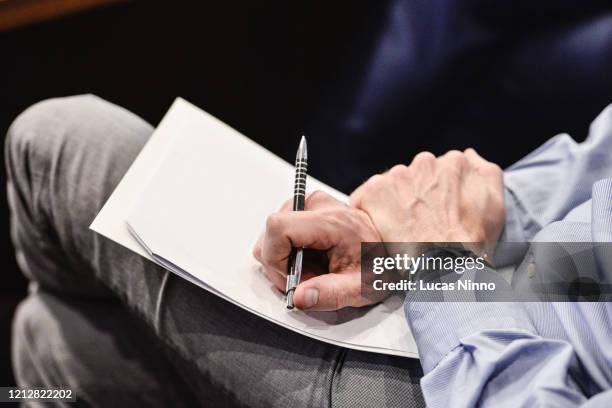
<point x="311" y="297"/>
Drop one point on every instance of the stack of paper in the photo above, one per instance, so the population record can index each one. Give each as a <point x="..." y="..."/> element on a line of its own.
<point x="196" y="199"/>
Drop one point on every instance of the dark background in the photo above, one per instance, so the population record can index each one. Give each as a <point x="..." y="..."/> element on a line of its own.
<point x="274" y="69"/>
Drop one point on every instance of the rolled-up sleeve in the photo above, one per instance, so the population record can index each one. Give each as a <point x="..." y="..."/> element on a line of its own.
<point x="505" y="368"/>
<point x="490" y="354"/>
<point x="548" y="183"/>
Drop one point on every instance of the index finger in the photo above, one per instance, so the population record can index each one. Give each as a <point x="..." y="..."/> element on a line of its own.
<point x="307" y="229"/>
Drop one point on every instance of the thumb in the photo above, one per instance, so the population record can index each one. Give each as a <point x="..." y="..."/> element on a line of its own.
<point x="331" y="291"/>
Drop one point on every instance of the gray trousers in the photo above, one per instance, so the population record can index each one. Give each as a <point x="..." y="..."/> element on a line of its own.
<point x="121" y="330"/>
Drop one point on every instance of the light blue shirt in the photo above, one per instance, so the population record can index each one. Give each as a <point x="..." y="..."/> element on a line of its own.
<point x="531" y="354"/>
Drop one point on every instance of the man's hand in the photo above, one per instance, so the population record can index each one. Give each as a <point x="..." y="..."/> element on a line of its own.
<point x="457" y="197"/>
<point x="326" y="225"/>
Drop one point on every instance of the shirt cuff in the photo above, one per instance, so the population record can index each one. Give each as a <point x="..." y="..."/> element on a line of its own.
<point x="518" y="230"/>
<point x="439" y="326"/>
<point x="513" y="229"/>
<point x="520" y="225"/>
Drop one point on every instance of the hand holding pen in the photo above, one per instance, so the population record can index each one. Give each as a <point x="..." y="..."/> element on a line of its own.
<point x="331" y="279"/>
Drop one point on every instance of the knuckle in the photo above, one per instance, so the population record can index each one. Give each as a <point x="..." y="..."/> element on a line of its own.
<point x="337" y="298"/>
<point x="491" y="169"/>
<point x="398" y="170"/>
<point x="353" y="291"/>
<point x="257" y="252"/>
<point x="376" y="182"/>
<point x="287" y="204"/>
<point x="274" y="222"/>
<point x="456" y="159"/>
<point x="424" y="158"/>
<point x="317" y="199"/>
<point x="356" y="198"/>
<point x="495" y="169"/>
<point x="317" y="196"/>
<point x="455" y="155"/>
<point x="346" y="296"/>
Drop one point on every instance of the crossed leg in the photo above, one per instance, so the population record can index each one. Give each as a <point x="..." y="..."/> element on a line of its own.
<point x="64" y="157"/>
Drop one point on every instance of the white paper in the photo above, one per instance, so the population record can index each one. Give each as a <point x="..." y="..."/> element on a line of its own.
<point x="197" y="198"/>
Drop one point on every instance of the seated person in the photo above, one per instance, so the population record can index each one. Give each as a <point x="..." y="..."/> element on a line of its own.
<point x="65" y="156"/>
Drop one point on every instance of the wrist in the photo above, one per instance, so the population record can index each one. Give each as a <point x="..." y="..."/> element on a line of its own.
<point x="443" y="251"/>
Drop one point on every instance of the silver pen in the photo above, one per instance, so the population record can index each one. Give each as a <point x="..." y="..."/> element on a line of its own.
<point x="296" y="257"/>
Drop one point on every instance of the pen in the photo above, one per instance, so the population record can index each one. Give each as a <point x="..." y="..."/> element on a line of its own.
<point x="296" y="257"/>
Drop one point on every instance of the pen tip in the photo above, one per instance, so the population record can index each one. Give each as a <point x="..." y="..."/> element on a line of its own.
<point x="303" y="148"/>
<point x="290" y="299"/>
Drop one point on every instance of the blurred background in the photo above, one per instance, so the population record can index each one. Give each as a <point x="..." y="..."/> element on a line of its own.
<point x="370" y="83"/>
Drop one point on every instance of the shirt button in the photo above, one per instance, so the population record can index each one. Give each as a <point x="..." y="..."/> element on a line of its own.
<point x="531" y="270"/>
